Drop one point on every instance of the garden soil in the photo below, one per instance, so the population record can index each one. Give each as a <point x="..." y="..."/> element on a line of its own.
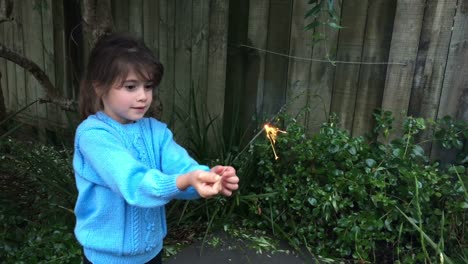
<point x="236" y="251"/>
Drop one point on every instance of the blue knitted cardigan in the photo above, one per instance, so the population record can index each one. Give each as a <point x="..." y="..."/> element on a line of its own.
<point x="125" y="174"/>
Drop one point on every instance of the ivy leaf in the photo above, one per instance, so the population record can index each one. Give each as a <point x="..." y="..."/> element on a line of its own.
<point x="418" y="151"/>
<point x="312" y="201"/>
<point x="333" y="148"/>
<point x="457" y="169"/>
<point x="371" y="163"/>
<point x="465" y="160"/>
<point x="397" y="152"/>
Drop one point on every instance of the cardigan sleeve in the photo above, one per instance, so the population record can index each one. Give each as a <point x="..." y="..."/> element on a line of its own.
<point x="104" y="153"/>
<point x="176" y="160"/>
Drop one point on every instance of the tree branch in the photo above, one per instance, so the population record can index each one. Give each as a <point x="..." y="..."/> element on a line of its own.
<point x="51" y="93"/>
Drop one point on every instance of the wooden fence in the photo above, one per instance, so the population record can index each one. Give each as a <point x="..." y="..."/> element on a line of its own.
<point x="249" y="59"/>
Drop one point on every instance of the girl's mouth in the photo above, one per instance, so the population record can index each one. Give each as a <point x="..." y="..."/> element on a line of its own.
<point x="139" y="109"/>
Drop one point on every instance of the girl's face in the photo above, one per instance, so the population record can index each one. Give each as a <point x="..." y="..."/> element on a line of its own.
<point x="129" y="100"/>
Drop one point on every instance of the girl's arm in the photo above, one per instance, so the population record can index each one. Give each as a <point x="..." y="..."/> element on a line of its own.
<point x="175" y="159"/>
<point x="111" y="164"/>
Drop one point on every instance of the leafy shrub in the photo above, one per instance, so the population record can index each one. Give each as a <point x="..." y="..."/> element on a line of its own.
<point x="341" y="196"/>
<point x="38" y="193"/>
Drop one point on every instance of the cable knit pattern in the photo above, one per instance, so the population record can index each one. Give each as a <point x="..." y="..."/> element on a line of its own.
<point x="140" y="147"/>
<point x="125" y="174"/>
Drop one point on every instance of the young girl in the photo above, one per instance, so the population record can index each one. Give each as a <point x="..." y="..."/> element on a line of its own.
<point x="127" y="167"/>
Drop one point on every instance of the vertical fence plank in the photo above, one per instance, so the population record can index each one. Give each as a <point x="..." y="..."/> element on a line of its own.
<point x="135" y="19"/>
<point x="404" y="46"/>
<point x="49" y="56"/>
<point x="75" y="58"/>
<point x="18" y="46"/>
<point x="454" y="98"/>
<point x="60" y="50"/>
<point x="182" y="49"/>
<point x="62" y="68"/>
<point x="299" y="70"/>
<point x="12" y="102"/>
<point x="372" y="77"/>
<point x="240" y="93"/>
<point x="217" y="47"/>
<point x="3" y="70"/>
<point x="166" y="54"/>
<point x="322" y="74"/>
<point x="257" y="37"/>
<point x="199" y="37"/>
<point x="455" y="87"/>
<point x="431" y="62"/>
<point x="432" y="58"/>
<point x="120" y="13"/>
<point x="151" y="19"/>
<point x="150" y="35"/>
<point x="34" y="51"/>
<point x="276" y="67"/>
<point x="350" y="45"/>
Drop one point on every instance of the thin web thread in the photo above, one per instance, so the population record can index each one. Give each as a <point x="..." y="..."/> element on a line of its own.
<point x="320" y="60"/>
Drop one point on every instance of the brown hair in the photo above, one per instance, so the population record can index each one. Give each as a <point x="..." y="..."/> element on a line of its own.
<point x="110" y="61"/>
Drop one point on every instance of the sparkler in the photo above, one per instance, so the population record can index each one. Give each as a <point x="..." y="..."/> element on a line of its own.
<point x="271" y="134"/>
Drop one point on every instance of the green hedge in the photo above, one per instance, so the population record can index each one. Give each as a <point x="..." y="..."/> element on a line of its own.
<point x="365" y="199"/>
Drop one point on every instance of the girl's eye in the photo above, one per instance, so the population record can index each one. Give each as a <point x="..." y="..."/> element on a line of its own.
<point x="149" y="86"/>
<point x="130" y="87"/>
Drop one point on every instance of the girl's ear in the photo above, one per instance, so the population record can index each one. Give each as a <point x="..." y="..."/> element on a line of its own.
<point x="98" y="89"/>
<point x="99" y="93"/>
<point x="95" y="86"/>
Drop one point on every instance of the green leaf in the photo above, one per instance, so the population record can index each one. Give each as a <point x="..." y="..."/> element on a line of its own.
<point x="371" y="163"/>
<point x="464" y="205"/>
<point x="388" y="224"/>
<point x="312" y="25"/>
<point x="457" y="169"/>
<point x="312" y="201"/>
<point x="317" y="37"/>
<point x="314" y="11"/>
<point x="465" y="160"/>
<point x="333" y="148"/>
<point x="418" y="151"/>
<point x="335" y="25"/>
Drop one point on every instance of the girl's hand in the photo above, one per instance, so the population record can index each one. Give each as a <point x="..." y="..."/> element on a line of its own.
<point x="229" y="180"/>
<point x="206" y="183"/>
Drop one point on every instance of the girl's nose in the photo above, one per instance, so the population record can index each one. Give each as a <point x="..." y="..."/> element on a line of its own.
<point x="142" y="96"/>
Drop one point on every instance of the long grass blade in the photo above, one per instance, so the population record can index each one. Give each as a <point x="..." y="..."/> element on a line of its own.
<point x="428" y="239"/>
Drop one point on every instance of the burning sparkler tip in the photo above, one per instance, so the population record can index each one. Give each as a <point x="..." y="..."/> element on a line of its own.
<point x="271" y="134"/>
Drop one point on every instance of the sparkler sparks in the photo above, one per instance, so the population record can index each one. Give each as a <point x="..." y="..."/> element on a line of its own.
<point x="271" y="134"/>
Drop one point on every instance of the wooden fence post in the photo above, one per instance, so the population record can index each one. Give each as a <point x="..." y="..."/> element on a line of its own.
<point x="431" y="63"/>
<point x="350" y="47"/>
<point x="2" y="101"/>
<point x="454" y="98"/>
<point x="377" y="38"/>
<point x="404" y="47"/>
